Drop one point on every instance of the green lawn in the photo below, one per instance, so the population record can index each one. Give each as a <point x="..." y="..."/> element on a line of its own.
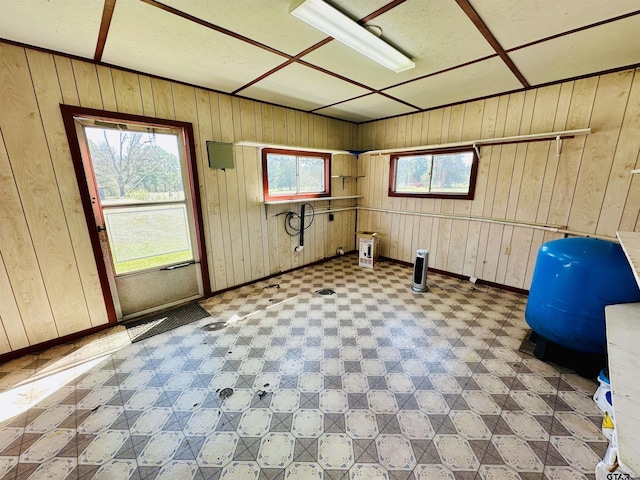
<point x="155" y="261"/>
<point x="147" y="237"/>
<point x="410" y="189"/>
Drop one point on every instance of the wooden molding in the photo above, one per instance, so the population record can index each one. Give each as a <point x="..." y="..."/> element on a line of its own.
<point x="486" y="33"/>
<point x="263" y="76"/>
<point x="575" y="30"/>
<point x="159" y="77"/>
<point x="85" y="197"/>
<point x="52" y="343"/>
<point x="342" y="101"/>
<point x="383" y="9"/>
<point x="105" y="23"/>
<point x="296" y="58"/>
<point x="68" y="114"/>
<point x="215" y="27"/>
<point x="493" y="95"/>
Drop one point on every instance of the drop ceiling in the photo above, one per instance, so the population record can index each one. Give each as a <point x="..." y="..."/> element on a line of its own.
<point x="463" y="49"/>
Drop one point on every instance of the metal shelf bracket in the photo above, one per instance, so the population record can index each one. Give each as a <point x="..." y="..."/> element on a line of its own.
<point x="558" y="146"/>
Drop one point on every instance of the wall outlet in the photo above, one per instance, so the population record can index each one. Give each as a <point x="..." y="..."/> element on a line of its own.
<point x="331" y="217"/>
<point x="507" y="250"/>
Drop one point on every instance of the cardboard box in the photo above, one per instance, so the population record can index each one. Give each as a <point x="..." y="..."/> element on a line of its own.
<point x="368" y="248"/>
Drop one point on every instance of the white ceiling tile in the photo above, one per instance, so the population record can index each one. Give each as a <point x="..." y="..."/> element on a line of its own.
<point x="442" y="37"/>
<point x="170" y="46"/>
<point x="301" y="87"/>
<point x="473" y="81"/>
<point x="371" y="107"/>
<point x="267" y="22"/>
<point x="66" y="26"/>
<point x="600" y="48"/>
<point x="517" y="23"/>
<point x="358" y="9"/>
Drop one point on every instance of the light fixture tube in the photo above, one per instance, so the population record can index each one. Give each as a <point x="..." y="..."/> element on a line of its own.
<point x="327" y="19"/>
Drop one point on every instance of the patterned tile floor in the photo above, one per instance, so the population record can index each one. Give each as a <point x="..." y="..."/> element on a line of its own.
<point x="374" y="382"/>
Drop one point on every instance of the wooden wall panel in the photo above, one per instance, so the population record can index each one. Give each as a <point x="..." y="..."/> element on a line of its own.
<point x="606" y="119"/>
<point x="87" y="85"/>
<point x="21" y="287"/>
<point x="162" y="99"/>
<point x="587" y="190"/>
<point x="66" y="79"/>
<point x="579" y="116"/>
<point x="127" y="91"/>
<point x="108" y="94"/>
<point x="44" y="234"/>
<point x="10" y="317"/>
<point x="48" y="278"/>
<point x="30" y="159"/>
<point x="624" y="160"/>
<point x="207" y="178"/>
<point x="43" y="73"/>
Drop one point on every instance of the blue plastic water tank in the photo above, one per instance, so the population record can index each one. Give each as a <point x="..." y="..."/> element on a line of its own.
<point x="574" y="279"/>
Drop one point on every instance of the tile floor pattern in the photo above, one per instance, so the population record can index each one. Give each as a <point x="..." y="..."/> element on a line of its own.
<point x="375" y="382"/>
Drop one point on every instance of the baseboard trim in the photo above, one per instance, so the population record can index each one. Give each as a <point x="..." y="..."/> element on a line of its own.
<point x="38" y="347"/>
<point x="501" y="286"/>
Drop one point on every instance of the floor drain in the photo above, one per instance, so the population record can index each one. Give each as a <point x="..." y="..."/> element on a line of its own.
<point x="225" y="393"/>
<point x="212" y="327"/>
<point x="325" y="291"/>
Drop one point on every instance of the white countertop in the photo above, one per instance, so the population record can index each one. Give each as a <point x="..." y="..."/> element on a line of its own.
<point x="623" y="339"/>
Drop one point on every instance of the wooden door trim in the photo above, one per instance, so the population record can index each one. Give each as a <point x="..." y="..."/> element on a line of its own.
<point x="69" y="112"/>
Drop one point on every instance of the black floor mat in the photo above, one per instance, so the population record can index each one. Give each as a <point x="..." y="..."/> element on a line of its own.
<point x="162" y="322"/>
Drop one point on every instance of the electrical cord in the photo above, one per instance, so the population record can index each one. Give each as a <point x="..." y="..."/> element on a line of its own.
<point x="292" y="230"/>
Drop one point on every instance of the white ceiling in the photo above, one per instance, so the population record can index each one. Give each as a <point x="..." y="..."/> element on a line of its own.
<point x="233" y="46"/>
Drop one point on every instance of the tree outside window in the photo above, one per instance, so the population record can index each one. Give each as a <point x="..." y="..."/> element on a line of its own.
<point x="432" y="174"/>
<point x="132" y="166"/>
<point x="289" y="174"/>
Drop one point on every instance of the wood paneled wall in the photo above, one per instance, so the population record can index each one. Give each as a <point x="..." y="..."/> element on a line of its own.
<point x="48" y="280"/>
<point x="588" y="189"/>
<point x="49" y="286"/>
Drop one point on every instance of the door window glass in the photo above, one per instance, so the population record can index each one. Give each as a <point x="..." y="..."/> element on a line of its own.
<point x="141" y="192"/>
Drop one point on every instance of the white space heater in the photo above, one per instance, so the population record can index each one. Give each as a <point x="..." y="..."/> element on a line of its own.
<point x="420" y="268"/>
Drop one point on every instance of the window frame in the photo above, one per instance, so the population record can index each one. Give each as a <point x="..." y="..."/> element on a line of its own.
<point x="326" y="156"/>
<point x="393" y="163"/>
<point x="69" y="114"/>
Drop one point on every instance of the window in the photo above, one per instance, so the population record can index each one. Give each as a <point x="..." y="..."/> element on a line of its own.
<point x="436" y="174"/>
<point x="288" y="174"/>
<point x="141" y="194"/>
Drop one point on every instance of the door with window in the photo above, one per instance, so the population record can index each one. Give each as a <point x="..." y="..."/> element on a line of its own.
<point x="140" y="185"/>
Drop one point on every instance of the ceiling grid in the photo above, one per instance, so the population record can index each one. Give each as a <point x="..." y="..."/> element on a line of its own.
<point x="463" y="49"/>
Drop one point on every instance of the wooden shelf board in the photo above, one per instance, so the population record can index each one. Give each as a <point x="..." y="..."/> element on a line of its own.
<point x="488" y="141"/>
<point x="305" y="200"/>
<point x="244" y="143"/>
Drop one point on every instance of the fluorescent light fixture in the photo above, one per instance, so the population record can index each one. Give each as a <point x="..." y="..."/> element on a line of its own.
<point x="327" y="19"/>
